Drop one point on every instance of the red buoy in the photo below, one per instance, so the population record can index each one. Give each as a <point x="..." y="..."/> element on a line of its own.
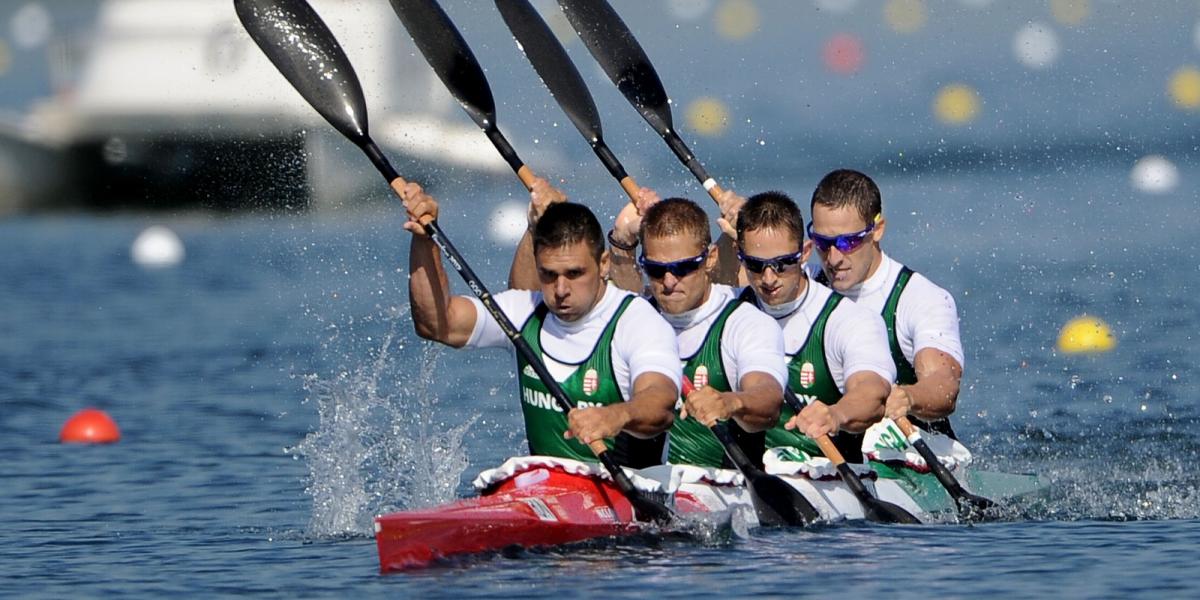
<point x="89" y="426"/>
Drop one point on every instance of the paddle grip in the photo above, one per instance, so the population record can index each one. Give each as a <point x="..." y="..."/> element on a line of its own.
<point x="830" y="450"/>
<point x="631" y="188"/>
<point x="525" y="174"/>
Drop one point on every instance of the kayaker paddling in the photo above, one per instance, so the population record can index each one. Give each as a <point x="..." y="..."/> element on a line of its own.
<point x="732" y="352"/>
<point x="609" y="349"/>
<point x="921" y="318"/>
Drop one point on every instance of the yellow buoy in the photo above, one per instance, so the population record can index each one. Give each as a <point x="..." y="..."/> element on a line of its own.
<point x="1070" y="12"/>
<point x="737" y="19"/>
<point x="905" y="16"/>
<point x="956" y="104"/>
<point x="1086" y="334"/>
<point x="1185" y="88"/>
<point x="707" y="116"/>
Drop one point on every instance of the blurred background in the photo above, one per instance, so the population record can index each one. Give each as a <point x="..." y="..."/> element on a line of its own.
<point x="186" y="245"/>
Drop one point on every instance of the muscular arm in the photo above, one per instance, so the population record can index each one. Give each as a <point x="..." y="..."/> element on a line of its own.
<point x="623" y="270"/>
<point x="935" y="394"/>
<point x="759" y="401"/>
<point x="437" y="315"/>
<point x="729" y="269"/>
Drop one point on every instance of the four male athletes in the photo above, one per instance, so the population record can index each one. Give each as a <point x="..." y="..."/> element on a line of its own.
<point x="879" y="340"/>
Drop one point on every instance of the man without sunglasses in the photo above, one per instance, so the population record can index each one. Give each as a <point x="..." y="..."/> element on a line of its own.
<point x="921" y="318"/>
<point x="612" y="353"/>
<point x="732" y="353"/>
<point x="837" y="351"/>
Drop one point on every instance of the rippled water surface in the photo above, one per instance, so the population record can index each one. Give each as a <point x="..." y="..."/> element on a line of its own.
<point x="273" y="399"/>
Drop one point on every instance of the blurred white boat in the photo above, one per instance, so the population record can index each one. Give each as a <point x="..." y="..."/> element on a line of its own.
<point x="174" y="106"/>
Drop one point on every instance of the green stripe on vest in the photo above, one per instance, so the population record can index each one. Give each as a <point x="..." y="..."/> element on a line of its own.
<point x="810" y="379"/>
<point x="692" y="443"/>
<point x="592" y="384"/>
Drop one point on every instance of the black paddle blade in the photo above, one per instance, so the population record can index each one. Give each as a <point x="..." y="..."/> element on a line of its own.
<point x="552" y="64"/>
<point x="969" y="505"/>
<point x="622" y="58"/>
<point x="882" y="511"/>
<point x="778" y="503"/>
<point x="447" y="52"/>
<point x="301" y="47"/>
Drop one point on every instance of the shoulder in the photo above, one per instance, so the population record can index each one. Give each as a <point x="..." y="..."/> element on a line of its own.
<point x="852" y="316"/>
<point x="922" y="294"/>
<point x="517" y="304"/>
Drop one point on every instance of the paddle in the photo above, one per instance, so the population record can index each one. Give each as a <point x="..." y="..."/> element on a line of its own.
<point x="303" y="49"/>
<point x="968" y="504"/>
<point x="776" y="502"/>
<point x="559" y="74"/>
<point x="447" y="52"/>
<point x="874" y="509"/>
<point x="622" y="58"/>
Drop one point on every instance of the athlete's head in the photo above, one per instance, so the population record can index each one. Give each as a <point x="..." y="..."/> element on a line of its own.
<point x="677" y="254"/>
<point x="847" y="225"/>
<point x="771" y="246"/>
<point x="572" y="265"/>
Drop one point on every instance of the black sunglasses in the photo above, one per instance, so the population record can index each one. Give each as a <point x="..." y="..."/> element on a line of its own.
<point x="679" y="268"/>
<point x="781" y="264"/>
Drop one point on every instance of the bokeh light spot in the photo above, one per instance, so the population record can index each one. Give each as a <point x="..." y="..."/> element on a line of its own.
<point x="956" y="104"/>
<point x="843" y="54"/>
<point x="905" y="16"/>
<point x="1036" y="46"/>
<point x="1154" y="174"/>
<point x="1185" y="88"/>
<point x="1070" y="12"/>
<point x="708" y="116"/>
<point x="737" y="19"/>
<point x="31" y="26"/>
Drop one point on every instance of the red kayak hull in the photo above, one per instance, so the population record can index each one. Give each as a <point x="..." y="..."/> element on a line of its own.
<point x="541" y="507"/>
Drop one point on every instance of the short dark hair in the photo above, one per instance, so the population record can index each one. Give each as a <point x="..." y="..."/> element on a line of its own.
<point x="567" y="224"/>
<point x="846" y="187"/>
<point x="770" y="210"/>
<point x="676" y="216"/>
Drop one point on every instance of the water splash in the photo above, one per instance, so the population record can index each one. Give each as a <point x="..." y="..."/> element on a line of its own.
<point x="379" y="445"/>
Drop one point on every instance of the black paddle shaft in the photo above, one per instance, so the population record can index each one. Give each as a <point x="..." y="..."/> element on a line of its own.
<point x="613" y="45"/>
<point x="558" y="73"/>
<point x="451" y="58"/>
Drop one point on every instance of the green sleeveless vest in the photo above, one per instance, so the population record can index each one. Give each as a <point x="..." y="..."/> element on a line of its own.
<point x="809" y="378"/>
<point x="691" y="442"/>
<point x="592" y="384"/>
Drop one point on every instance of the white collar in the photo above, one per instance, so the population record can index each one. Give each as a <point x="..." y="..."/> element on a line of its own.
<point x="688" y="319"/>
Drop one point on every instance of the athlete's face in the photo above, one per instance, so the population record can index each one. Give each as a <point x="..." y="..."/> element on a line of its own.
<point x="847" y="269"/>
<point x="679" y="293"/>
<point x="571" y="279"/>
<point x="773" y="286"/>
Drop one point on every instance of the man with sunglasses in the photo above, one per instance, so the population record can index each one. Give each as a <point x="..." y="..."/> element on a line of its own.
<point x="732" y="353"/>
<point x="837" y="355"/>
<point x="611" y="351"/>
<point x="921" y="318"/>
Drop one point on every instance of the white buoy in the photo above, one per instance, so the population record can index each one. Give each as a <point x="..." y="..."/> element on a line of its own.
<point x="157" y="247"/>
<point x="1154" y="174"/>
<point x="508" y="222"/>
<point x="1036" y="46"/>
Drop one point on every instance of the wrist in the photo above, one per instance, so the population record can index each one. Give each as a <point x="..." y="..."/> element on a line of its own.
<point x="621" y="244"/>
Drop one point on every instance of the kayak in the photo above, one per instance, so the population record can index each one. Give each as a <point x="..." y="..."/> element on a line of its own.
<point x="536" y="501"/>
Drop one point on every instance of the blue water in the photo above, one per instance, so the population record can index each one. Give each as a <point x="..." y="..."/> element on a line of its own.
<point x="273" y="398"/>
